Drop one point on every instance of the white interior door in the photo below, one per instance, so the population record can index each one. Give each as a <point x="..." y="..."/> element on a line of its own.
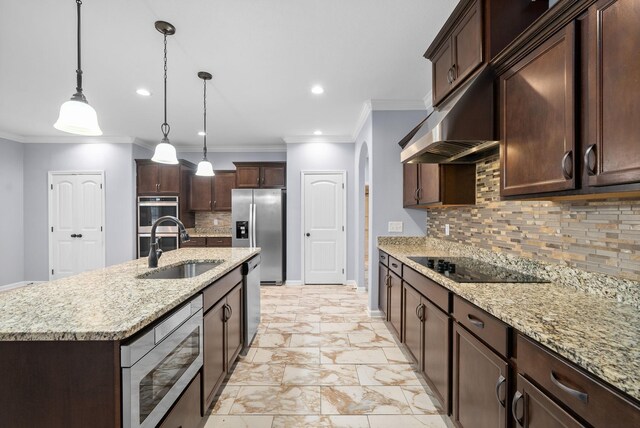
<point x="76" y="217"/>
<point x="324" y="228"/>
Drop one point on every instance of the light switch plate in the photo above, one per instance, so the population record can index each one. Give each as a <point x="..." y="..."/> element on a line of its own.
<point x="395" y="226"/>
<point x="215" y="221"/>
<point x="446" y="229"/>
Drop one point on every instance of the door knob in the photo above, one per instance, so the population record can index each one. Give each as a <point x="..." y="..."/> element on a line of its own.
<point x="73" y="235"/>
<point x="308" y="234"/>
<point x="79" y="235"/>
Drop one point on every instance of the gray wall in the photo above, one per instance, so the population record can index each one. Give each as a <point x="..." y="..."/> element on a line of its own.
<point x="11" y="218"/>
<point x="362" y="177"/>
<point x="316" y="157"/>
<point x="224" y="160"/>
<point x="116" y="160"/>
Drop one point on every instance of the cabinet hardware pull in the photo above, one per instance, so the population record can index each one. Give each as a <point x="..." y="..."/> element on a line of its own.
<point x="214" y="203"/>
<point x="421" y="312"/>
<point x="209" y="204"/>
<point x="475" y="321"/>
<point x="449" y="80"/>
<point x="418" y="312"/>
<point x="501" y="381"/>
<point x="514" y="408"/>
<point x="388" y="280"/>
<point x="588" y="155"/>
<point x="454" y="72"/>
<point x="582" y="396"/>
<point x="415" y="195"/>
<point x="567" y="172"/>
<point x="419" y="193"/>
<point x="395" y="265"/>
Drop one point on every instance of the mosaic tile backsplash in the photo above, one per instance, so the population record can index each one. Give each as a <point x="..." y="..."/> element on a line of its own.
<point x="601" y="236"/>
<point x="206" y="222"/>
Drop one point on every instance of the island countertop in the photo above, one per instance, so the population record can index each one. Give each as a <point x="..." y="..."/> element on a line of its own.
<point x="598" y="334"/>
<point x="110" y="303"/>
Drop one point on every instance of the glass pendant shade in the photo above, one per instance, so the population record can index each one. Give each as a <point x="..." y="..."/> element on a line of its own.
<point x="165" y="153"/>
<point x="78" y="117"/>
<point x="205" y="169"/>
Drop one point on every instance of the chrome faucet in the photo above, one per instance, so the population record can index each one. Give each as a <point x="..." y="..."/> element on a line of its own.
<point x="155" y="252"/>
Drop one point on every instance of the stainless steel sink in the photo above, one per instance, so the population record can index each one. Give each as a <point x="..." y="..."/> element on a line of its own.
<point x="183" y="270"/>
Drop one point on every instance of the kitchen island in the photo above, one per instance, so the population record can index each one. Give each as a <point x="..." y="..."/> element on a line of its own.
<point x="60" y="341"/>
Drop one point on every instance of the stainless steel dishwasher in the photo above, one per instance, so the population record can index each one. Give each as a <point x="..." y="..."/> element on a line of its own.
<point x="251" y="308"/>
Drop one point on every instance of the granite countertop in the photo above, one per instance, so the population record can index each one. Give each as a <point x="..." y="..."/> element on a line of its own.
<point x="110" y="303"/>
<point x="600" y="335"/>
<point x="210" y="234"/>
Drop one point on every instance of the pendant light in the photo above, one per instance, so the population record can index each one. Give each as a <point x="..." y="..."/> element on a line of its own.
<point x="204" y="167"/>
<point x="165" y="152"/>
<point x="76" y="115"/>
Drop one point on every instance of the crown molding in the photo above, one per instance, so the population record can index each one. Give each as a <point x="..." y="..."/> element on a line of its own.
<point x="12" y="137"/>
<point x="79" y="140"/>
<point x="397" y="105"/>
<point x="302" y="139"/>
<point x="362" y="120"/>
<point x="233" y="149"/>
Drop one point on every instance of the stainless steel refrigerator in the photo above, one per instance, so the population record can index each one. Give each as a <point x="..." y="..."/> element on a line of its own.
<point x="258" y="220"/>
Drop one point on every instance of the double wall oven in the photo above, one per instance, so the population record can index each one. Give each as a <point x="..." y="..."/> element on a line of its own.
<point x="151" y="208"/>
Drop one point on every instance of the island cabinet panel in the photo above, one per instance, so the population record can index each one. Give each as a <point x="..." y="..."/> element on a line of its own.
<point x="533" y="409"/>
<point x="60" y="384"/>
<point x="186" y="412"/>
<point x="214" y="363"/>
<point x="234" y="325"/>
<point x="383" y="289"/>
<point x="612" y="155"/>
<point x="480" y="383"/>
<point x="538" y="119"/>
<point x="395" y="303"/>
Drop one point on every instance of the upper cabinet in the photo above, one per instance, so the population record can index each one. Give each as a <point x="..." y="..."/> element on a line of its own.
<point x="427" y="184"/>
<point x="212" y="193"/>
<point x="538" y="119"/>
<point x="612" y="149"/>
<point x="264" y="175"/>
<point x="476" y="31"/>
<point x="157" y="179"/>
<point x="223" y="183"/>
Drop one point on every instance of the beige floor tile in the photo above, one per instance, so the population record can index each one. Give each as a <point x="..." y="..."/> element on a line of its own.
<point x="287" y="355"/>
<point x="250" y="354"/>
<point x="225" y="399"/>
<point x="345" y="327"/>
<point x="405" y="421"/>
<point x="372" y="340"/>
<point x="316" y="421"/>
<point x="320" y="374"/>
<point x="359" y="310"/>
<point x="272" y="340"/>
<point x="388" y="374"/>
<point x="256" y="374"/>
<point x="296" y="309"/>
<point x="421" y="400"/>
<point x="245" y="421"/>
<point x="396" y="355"/>
<point x="302" y="317"/>
<point x="277" y="400"/>
<point x="319" y="339"/>
<point x="267" y="318"/>
<point x="293" y="327"/>
<point x="352" y="356"/>
<point x="363" y="400"/>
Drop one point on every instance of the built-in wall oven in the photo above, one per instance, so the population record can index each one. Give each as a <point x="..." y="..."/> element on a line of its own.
<point x="150" y="209"/>
<point x="168" y="242"/>
<point x="159" y="364"/>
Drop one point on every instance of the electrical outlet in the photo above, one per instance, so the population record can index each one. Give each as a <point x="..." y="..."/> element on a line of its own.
<point x="395" y="226"/>
<point x="446" y="229"/>
<point x="215" y="221"/>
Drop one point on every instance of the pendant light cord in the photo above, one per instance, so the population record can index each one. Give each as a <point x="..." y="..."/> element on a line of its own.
<point x="78" y="93"/>
<point x="205" y="118"/>
<point x="165" y="126"/>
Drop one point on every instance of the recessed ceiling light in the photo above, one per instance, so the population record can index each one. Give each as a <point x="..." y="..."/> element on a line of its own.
<point x="318" y="132"/>
<point x="317" y="89"/>
<point x="143" y="92"/>
<point x="202" y="133"/>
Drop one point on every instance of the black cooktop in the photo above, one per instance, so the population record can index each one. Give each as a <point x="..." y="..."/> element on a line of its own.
<point x="466" y="269"/>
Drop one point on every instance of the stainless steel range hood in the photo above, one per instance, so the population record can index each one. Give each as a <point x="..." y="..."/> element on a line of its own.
<point x="462" y="130"/>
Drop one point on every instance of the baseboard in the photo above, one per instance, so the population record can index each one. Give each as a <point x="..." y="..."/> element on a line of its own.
<point x="375" y="313"/>
<point x="18" y="285"/>
<point x="293" y="283"/>
<point x="351" y="283"/>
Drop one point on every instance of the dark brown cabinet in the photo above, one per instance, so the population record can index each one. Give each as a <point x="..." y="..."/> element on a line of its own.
<point x="394" y="304"/>
<point x="233" y="322"/>
<point x="186" y="412"/>
<point x="412" y="322"/>
<point x="264" y="175"/>
<point x="157" y="179"/>
<point x="208" y="241"/>
<point x="436" y="185"/>
<point x="201" y="193"/>
<point x="223" y="183"/>
<point x="383" y="288"/>
<point x="612" y="152"/>
<point x="538" y="152"/>
<point x="480" y="383"/>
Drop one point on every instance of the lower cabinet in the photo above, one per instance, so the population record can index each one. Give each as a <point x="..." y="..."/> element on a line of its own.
<point x="222" y="342"/>
<point x="533" y="409"/>
<point x="209" y="241"/>
<point x="186" y="412"/>
<point x="480" y="382"/>
<point x="394" y="305"/>
<point x="383" y="288"/>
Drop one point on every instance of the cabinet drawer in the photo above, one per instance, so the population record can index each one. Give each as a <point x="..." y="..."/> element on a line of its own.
<point x="395" y="266"/>
<point x="590" y="399"/>
<point x="224" y="241"/>
<point x="428" y="288"/>
<point x="194" y="242"/>
<point x="384" y="258"/>
<point x="186" y="412"/>
<point x="491" y="330"/>
<point x="218" y="289"/>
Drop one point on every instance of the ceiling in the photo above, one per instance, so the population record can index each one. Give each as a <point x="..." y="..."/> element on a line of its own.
<point x="264" y="56"/>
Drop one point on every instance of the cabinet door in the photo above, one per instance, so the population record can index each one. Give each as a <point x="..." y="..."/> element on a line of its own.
<point x="613" y="147"/>
<point x="412" y="325"/>
<point x="147" y="178"/>
<point x="234" y="325"/>
<point x="383" y="289"/>
<point x="248" y="177"/>
<point x="410" y="184"/>
<point x="223" y="184"/>
<point x="538" y="126"/>
<point x="201" y="193"/>
<point x="467" y="44"/>
<point x="194" y="242"/>
<point x="478" y="376"/>
<point x="535" y="410"/>
<point x="429" y="183"/>
<point x="223" y="241"/>
<point x="273" y="177"/>
<point x="169" y="179"/>
<point x="437" y="340"/>
<point x="186" y="412"/>
<point x="441" y="70"/>
<point x="395" y="303"/>
<point x="213" y="367"/>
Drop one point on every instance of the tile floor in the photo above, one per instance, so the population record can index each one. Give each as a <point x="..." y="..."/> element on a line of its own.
<point x="319" y="360"/>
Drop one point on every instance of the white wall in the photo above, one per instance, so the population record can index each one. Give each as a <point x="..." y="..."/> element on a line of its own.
<point x="116" y="160"/>
<point x="11" y="215"/>
<point x="224" y="160"/>
<point x="316" y="157"/>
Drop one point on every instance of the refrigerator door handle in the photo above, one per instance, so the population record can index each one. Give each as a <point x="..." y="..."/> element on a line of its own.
<point x="253" y="226"/>
<point x="250" y="225"/>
